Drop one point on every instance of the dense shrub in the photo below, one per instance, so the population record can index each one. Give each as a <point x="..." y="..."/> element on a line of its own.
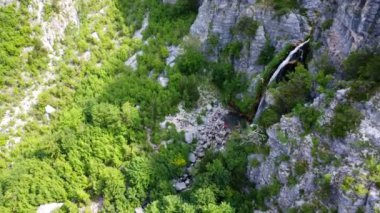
<point x="294" y="91"/>
<point x="224" y="173"/>
<point x="346" y="119"/>
<point x="106" y="116"/>
<point x="14" y="36"/>
<point x="374" y="168"/>
<point x="281" y="6"/>
<point x="355" y="63"/>
<point x="213" y="40"/>
<point x="308" y="117"/>
<point x="362" y="90"/>
<point x="266" y="55"/>
<point x="191" y="62"/>
<point x="221" y="74"/>
<point x="327" y="24"/>
<point x="269" y="117"/>
<point x="265" y="192"/>
<point x="362" y="69"/>
<point x="188" y="87"/>
<point x="95" y="145"/>
<point x="232" y="50"/>
<point x="170" y="22"/>
<point x="247" y="26"/>
<point x="231" y="84"/>
<point x="301" y="167"/>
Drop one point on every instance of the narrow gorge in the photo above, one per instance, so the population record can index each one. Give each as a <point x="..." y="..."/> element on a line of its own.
<point x="190" y="106"/>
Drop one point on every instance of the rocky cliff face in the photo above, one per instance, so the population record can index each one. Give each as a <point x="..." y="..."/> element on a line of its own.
<point x="355" y="24"/>
<point x="217" y="17"/>
<point x="321" y="155"/>
<point x="339" y="27"/>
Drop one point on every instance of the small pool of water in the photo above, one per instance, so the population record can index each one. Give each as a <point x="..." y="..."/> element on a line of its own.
<point x="233" y="120"/>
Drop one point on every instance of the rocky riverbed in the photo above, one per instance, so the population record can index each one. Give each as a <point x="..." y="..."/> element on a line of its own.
<point x="205" y="126"/>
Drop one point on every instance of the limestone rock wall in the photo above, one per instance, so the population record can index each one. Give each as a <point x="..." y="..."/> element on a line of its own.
<point x="354" y="24"/>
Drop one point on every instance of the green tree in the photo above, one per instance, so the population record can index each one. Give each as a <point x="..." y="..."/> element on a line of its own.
<point x="138" y="172"/>
<point x="191" y="62"/>
<point x="294" y="91"/>
<point x="170" y="204"/>
<point x="269" y="117"/>
<point x="308" y="117"/>
<point x="222" y="208"/>
<point x="203" y="197"/>
<point x="106" y="116"/>
<point x="131" y="115"/>
<point x="346" y="119"/>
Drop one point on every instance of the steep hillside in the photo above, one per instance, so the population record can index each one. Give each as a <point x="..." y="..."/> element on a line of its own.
<point x="189" y="106"/>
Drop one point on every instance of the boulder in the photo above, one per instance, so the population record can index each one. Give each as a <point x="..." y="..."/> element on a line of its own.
<point x="132" y="61"/>
<point x="189" y="137"/>
<point x="174" y="51"/>
<point x="163" y="81"/>
<point x="4" y="3"/>
<point x="95" y="36"/>
<point x="139" y="210"/>
<point x="180" y="186"/>
<point x="192" y="158"/>
<point x="50" y="207"/>
<point x="49" y="109"/>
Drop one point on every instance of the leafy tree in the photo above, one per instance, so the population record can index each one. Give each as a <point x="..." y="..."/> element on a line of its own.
<point x="30" y="183"/>
<point x="191" y="62"/>
<point x="106" y="116"/>
<point x="131" y="115"/>
<point x="188" y="87"/>
<point x="222" y="208"/>
<point x="113" y="189"/>
<point x="355" y="62"/>
<point x="138" y="172"/>
<point x="170" y="204"/>
<point x="203" y="197"/>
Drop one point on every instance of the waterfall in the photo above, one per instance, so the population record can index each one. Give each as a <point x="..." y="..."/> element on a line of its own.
<point x="286" y="61"/>
<point x="280" y="68"/>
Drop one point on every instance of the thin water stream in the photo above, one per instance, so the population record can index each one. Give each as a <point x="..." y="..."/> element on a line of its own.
<point x="278" y="72"/>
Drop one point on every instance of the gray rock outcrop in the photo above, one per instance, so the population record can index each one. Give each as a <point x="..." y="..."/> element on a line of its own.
<point x="4" y="3"/>
<point x="317" y="153"/>
<point x="354" y="24"/>
<point x="218" y="17"/>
